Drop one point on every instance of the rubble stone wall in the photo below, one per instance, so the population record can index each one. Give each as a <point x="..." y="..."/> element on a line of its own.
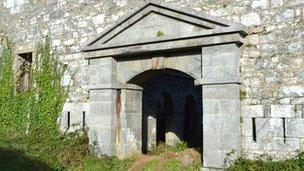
<point x="272" y="61"/>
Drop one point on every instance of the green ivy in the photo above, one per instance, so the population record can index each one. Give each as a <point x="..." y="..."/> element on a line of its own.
<point x="34" y="112"/>
<point x="10" y="120"/>
<point x="29" y="119"/>
<point x="46" y="96"/>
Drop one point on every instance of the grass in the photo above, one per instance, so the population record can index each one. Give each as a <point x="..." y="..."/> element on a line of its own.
<point x="68" y="152"/>
<point x="162" y="148"/>
<point x="172" y="164"/>
<point x="170" y="158"/>
<point x="107" y="163"/>
<point x="151" y="165"/>
<point x="72" y="153"/>
<point x="65" y="154"/>
<point x="294" y="164"/>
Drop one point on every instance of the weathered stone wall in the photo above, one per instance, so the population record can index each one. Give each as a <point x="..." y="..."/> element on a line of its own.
<point x="271" y="60"/>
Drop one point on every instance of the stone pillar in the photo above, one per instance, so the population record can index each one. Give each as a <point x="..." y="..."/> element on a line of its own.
<point x="151" y="132"/>
<point x="129" y="125"/>
<point x="221" y="105"/>
<point x="103" y="97"/>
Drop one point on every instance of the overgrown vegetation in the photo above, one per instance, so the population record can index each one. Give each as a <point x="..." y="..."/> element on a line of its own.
<point x="294" y="164"/>
<point x="178" y="157"/>
<point x="30" y="138"/>
<point x="28" y="119"/>
<point x="162" y="147"/>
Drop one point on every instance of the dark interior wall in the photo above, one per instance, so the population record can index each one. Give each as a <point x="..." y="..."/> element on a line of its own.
<point x="170" y="98"/>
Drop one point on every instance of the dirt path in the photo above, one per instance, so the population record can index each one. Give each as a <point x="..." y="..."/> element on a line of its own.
<point x="139" y="164"/>
<point x="186" y="157"/>
<point x="166" y="156"/>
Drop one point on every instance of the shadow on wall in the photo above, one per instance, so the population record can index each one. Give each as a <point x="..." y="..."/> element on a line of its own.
<point x="17" y="160"/>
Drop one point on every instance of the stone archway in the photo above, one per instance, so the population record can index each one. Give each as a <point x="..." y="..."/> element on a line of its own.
<point x="158" y="37"/>
<point x="164" y="93"/>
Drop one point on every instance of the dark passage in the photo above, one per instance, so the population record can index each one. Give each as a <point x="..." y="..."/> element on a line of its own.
<point x="172" y="109"/>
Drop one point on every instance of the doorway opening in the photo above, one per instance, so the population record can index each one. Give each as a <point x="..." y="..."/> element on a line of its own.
<point x="172" y="109"/>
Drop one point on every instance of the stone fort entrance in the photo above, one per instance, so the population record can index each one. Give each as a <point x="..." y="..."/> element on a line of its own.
<point x="172" y="108"/>
<point x="163" y="74"/>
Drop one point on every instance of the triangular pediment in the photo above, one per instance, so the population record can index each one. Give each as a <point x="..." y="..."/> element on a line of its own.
<point x="154" y="22"/>
<point x="152" y="26"/>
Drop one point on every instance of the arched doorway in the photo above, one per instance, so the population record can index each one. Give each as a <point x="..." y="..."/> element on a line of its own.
<point x="165" y="110"/>
<point x="192" y="134"/>
<point x="163" y="122"/>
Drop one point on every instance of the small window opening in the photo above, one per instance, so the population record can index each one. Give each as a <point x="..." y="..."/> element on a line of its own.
<point x="83" y="119"/>
<point x="25" y="62"/>
<point x="254" y="135"/>
<point x="284" y="129"/>
<point x="69" y="119"/>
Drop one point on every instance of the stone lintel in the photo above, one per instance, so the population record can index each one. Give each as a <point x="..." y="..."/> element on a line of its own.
<point x="189" y="35"/>
<point x="172" y="45"/>
<point x="200" y="81"/>
<point x="105" y="87"/>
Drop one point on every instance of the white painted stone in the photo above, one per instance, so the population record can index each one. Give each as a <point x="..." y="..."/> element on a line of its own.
<point x="295" y="127"/>
<point x="295" y="47"/>
<point x="296" y="2"/>
<point x="66" y="80"/>
<point x="284" y="101"/>
<point x="299" y="100"/>
<point x="99" y="19"/>
<point x="253" y="111"/>
<point x="82" y="24"/>
<point x="282" y="111"/>
<point x="293" y="90"/>
<point x="283" y="144"/>
<point x="247" y="127"/>
<point x="56" y="42"/>
<point x="259" y="4"/>
<point x="284" y="15"/>
<point x="249" y="144"/>
<point x="219" y="12"/>
<point x="14" y="3"/>
<point x="100" y="30"/>
<point x="277" y="3"/>
<point x="69" y="42"/>
<point x="270" y="28"/>
<point x="253" y="39"/>
<point x="267" y="128"/>
<point x="251" y="19"/>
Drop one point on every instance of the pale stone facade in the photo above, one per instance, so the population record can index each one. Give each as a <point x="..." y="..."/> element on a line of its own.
<point x="251" y="76"/>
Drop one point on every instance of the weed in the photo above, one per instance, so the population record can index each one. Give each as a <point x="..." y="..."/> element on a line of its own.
<point x="172" y="164"/>
<point x="179" y="147"/>
<point x="160" y="34"/>
<point x="243" y="94"/>
<point x="150" y="166"/>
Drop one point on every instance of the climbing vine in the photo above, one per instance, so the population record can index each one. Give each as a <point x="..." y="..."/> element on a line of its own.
<point x="8" y="112"/>
<point x="32" y="113"/>
<point x="47" y="96"/>
<point x="29" y="118"/>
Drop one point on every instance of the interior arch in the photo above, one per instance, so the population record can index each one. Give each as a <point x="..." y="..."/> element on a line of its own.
<point x="168" y="99"/>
